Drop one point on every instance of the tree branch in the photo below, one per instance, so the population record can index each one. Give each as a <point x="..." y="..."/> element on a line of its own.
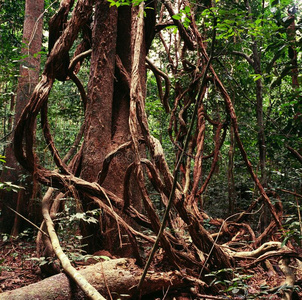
<point x="163" y="98"/>
<point x="295" y="153"/>
<point x="182" y="31"/>
<point x="245" y="56"/>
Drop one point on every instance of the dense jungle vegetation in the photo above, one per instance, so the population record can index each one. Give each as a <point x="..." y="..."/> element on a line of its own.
<point x="169" y="132"/>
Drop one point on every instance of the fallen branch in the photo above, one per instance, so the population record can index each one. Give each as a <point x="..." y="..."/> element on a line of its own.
<point x="289" y="278"/>
<point x="118" y="276"/>
<point x="269" y="246"/>
<point x="89" y="290"/>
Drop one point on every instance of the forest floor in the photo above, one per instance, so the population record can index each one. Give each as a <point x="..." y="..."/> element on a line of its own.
<point x="19" y="267"/>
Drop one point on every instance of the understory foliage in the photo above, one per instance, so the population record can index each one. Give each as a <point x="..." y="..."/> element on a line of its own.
<point x="172" y="124"/>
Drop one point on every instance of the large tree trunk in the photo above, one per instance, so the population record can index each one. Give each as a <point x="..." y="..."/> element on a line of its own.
<point x="29" y="75"/>
<point x="110" y="278"/>
<point x="98" y="118"/>
<point x="115" y="123"/>
<point x="107" y="116"/>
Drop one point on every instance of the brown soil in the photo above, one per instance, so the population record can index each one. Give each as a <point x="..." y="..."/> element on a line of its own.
<point x="18" y="268"/>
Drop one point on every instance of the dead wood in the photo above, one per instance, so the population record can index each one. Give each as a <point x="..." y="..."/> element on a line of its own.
<point x="90" y="291"/>
<point x="181" y="254"/>
<point x="289" y="281"/>
<point x="111" y="278"/>
<point x="269" y="250"/>
<point x="269" y="246"/>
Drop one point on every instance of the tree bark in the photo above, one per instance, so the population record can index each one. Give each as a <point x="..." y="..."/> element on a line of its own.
<point x="29" y="75"/>
<point x="115" y="124"/>
<point x="256" y="64"/>
<point x="111" y="278"/>
<point x="292" y="51"/>
<point x="108" y="111"/>
<point x="231" y="180"/>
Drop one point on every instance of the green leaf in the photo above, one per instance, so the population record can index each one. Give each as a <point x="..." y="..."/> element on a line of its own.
<point x="284" y="241"/>
<point x="176" y="17"/>
<point x="256" y="76"/>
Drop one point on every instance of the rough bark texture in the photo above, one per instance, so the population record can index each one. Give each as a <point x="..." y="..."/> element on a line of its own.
<point x="106" y="120"/>
<point x="98" y="117"/>
<point x="111" y="172"/>
<point x="110" y="278"/>
<point x="29" y="75"/>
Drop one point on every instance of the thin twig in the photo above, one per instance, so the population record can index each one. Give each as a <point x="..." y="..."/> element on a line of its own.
<point x="290" y="192"/>
<point x="30" y="222"/>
